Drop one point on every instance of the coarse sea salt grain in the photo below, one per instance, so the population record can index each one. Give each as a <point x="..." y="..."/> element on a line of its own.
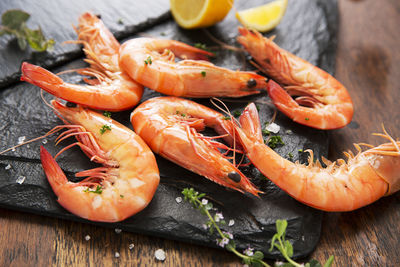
<point x="20" y="179"/>
<point x="231" y="222"/>
<point x="117" y="230"/>
<point x="273" y="128"/>
<point x="87" y="237"/>
<point x="160" y="254"/>
<point x="178" y="200"/>
<point x="44" y="141"/>
<point x="21" y="139"/>
<point x="117" y="254"/>
<point x="7" y="167"/>
<point x="131" y="246"/>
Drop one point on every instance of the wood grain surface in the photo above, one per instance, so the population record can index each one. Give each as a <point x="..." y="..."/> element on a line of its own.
<point x="368" y="64"/>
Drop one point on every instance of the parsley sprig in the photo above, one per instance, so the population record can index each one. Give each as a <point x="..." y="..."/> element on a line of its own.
<point x="225" y="239"/>
<point x="98" y="190"/>
<point x="14" y="23"/>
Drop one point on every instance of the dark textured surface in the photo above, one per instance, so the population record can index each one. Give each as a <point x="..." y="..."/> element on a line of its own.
<point x="56" y="19"/>
<point x="24" y="114"/>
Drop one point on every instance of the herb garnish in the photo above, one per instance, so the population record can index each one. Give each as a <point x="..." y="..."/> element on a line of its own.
<point x="227" y="118"/>
<point x="266" y="132"/>
<point x="14" y="23"/>
<point x="182" y="114"/>
<point x="307" y="119"/>
<point x="237" y="113"/>
<point x="121" y="196"/>
<point x="203" y="73"/>
<point x="98" y="190"/>
<point x="148" y="61"/>
<point x="274" y="141"/>
<point x="107" y="114"/>
<point x="120" y="21"/>
<point x="249" y="256"/>
<point x="201" y="46"/>
<point x="290" y="155"/>
<point x="105" y="128"/>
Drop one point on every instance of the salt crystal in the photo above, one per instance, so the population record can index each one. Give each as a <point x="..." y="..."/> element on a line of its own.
<point x="117" y="230"/>
<point x="116" y="254"/>
<point x="178" y="200"/>
<point x="28" y="146"/>
<point x="13" y="149"/>
<point x="7" y="167"/>
<point x="44" y="141"/>
<point x="87" y="237"/>
<point x="160" y="254"/>
<point x="21" y="139"/>
<point x="289" y="131"/>
<point x="231" y="222"/>
<point x="273" y="128"/>
<point x="131" y="246"/>
<point x="303" y="238"/>
<point x="20" y="179"/>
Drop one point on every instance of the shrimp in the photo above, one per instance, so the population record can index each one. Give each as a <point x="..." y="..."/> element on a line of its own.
<point x="111" y="89"/>
<point x="341" y="186"/>
<point x="123" y="186"/>
<point x="320" y="100"/>
<point x="151" y="62"/>
<point x="169" y="126"/>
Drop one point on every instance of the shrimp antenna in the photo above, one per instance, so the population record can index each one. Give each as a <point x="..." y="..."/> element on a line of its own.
<point x="226" y="111"/>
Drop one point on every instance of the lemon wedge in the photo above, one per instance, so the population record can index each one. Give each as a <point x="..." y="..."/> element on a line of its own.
<point x="263" y="18"/>
<point x="191" y="14"/>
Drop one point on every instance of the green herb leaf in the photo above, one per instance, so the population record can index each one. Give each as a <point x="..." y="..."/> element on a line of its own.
<point x="289" y="248"/>
<point x="274" y="141"/>
<point x="148" y="61"/>
<point x="227" y="118"/>
<point x="14" y="19"/>
<point x="329" y="262"/>
<point x="98" y="190"/>
<point x="237" y="113"/>
<point x="105" y="128"/>
<point x="314" y="263"/>
<point x="281" y="227"/>
<point x="258" y="255"/>
<point x="107" y="114"/>
<point x="14" y="23"/>
<point x="203" y="73"/>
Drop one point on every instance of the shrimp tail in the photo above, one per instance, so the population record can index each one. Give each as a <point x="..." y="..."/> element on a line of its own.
<point x="281" y="99"/>
<point x="54" y="174"/>
<point x="250" y="122"/>
<point x="40" y="77"/>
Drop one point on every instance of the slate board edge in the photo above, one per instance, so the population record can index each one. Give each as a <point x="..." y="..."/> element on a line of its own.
<point x="70" y="217"/>
<point x="65" y="58"/>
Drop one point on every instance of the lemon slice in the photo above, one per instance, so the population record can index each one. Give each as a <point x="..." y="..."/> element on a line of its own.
<point x="263" y="18"/>
<point x="191" y="14"/>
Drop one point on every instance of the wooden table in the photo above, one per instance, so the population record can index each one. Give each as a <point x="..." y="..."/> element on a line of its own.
<point x="368" y="64"/>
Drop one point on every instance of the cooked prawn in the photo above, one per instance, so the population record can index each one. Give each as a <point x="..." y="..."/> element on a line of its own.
<point x="111" y="89"/>
<point x="170" y="126"/>
<point x="341" y="186"/>
<point x="320" y="100"/>
<point x="151" y="62"/>
<point x="122" y="187"/>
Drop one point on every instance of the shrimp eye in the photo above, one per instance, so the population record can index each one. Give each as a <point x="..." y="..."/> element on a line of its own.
<point x="234" y="176"/>
<point x="70" y="105"/>
<point x="251" y="83"/>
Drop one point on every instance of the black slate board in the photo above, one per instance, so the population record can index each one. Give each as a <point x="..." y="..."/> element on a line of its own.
<point x="308" y="30"/>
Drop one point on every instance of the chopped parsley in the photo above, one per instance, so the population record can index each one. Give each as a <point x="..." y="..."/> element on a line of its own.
<point x="105" y="128"/>
<point x="203" y="73"/>
<point x="121" y="196"/>
<point x="120" y="21"/>
<point x="258" y="107"/>
<point x="107" y="114"/>
<point x="300" y="150"/>
<point x="227" y="118"/>
<point x="163" y="34"/>
<point x="182" y="114"/>
<point x="290" y="155"/>
<point x="98" y="190"/>
<point x="307" y="119"/>
<point x="274" y="141"/>
<point x="148" y="61"/>
<point x="201" y="46"/>
<point x="237" y="113"/>
<point x="266" y="132"/>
